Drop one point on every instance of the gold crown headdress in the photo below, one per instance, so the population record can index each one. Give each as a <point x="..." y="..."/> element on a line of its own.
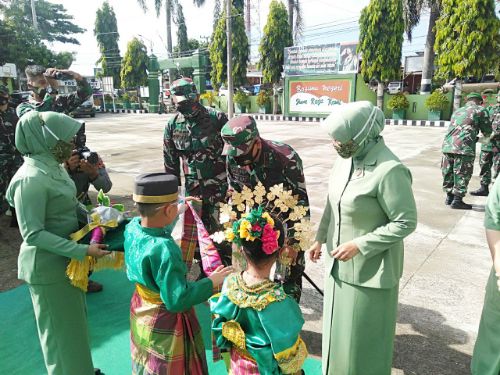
<point x="259" y="203"/>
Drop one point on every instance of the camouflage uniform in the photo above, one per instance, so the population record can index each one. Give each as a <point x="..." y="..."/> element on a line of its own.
<point x="10" y="158"/>
<point x="490" y="152"/>
<point x="61" y="103"/>
<point x="197" y="141"/>
<point x="278" y="163"/>
<point x="459" y="147"/>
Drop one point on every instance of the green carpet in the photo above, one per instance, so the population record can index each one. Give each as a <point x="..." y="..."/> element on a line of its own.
<point x="109" y="328"/>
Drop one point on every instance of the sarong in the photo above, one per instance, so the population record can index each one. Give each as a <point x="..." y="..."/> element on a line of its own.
<point x="163" y="342"/>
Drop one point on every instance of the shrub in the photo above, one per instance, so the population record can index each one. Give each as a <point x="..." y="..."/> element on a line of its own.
<point x="398" y="101"/>
<point x="240" y="98"/>
<point x="263" y="98"/>
<point x="209" y="96"/>
<point x="437" y="101"/>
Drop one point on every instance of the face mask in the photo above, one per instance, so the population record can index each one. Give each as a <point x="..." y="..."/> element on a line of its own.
<point x="3" y="100"/>
<point x="62" y="150"/>
<point x="39" y="91"/>
<point x="188" y="108"/>
<point x="249" y="157"/>
<point x="346" y="150"/>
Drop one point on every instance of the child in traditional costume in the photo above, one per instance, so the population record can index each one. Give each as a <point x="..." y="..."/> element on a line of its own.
<point x="254" y="318"/>
<point x="165" y="333"/>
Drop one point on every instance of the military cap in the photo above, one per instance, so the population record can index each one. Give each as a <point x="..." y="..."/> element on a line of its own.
<point x="474" y="95"/>
<point x="238" y="134"/>
<point x="156" y="188"/>
<point x="183" y="89"/>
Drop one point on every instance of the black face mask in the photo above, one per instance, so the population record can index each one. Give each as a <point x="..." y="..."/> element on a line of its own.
<point x="188" y="108"/>
<point x="243" y="160"/>
<point x="3" y="100"/>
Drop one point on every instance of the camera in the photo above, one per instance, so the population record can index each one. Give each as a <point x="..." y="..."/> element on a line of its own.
<point x="60" y="76"/>
<point x="82" y="150"/>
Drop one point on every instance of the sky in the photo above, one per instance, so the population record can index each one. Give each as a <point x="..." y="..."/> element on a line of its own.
<point x="325" y="21"/>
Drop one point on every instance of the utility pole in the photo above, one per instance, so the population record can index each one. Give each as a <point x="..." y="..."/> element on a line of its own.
<point x="33" y="13"/>
<point x="229" y="60"/>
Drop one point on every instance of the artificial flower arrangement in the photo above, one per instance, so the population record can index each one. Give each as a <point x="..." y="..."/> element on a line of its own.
<point x="106" y="223"/>
<point x="249" y="216"/>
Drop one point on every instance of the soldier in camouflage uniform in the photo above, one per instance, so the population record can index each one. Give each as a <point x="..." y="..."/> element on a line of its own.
<point x="10" y="158"/>
<point x="193" y="135"/>
<point x="250" y="160"/>
<point x="490" y="153"/>
<point x="41" y="82"/>
<point x="459" y="149"/>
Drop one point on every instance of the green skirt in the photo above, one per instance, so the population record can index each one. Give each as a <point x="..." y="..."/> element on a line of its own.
<point x="486" y="357"/>
<point x="358" y="329"/>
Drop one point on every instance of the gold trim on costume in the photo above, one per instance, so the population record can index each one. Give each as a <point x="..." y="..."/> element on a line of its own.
<point x="291" y="360"/>
<point x="148" y="295"/>
<point x="232" y="331"/>
<point x="257" y="296"/>
<point x="155" y="198"/>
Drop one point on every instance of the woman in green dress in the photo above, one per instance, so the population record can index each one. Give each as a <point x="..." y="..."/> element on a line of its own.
<point x="486" y="357"/>
<point x="44" y="197"/>
<point x="370" y="209"/>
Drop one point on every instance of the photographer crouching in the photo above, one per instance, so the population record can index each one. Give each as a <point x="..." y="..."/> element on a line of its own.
<point x="85" y="167"/>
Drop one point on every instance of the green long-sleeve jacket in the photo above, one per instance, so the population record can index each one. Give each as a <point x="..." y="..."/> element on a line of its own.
<point x="154" y="260"/>
<point x="374" y="207"/>
<point x="45" y="200"/>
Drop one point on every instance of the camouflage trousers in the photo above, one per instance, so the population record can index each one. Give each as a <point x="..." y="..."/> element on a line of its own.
<point x="457" y="172"/>
<point x="293" y="280"/>
<point x="487" y="160"/>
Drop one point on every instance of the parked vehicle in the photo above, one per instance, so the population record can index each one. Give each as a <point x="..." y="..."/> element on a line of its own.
<point x="85" y="109"/>
<point x="18" y="97"/>
<point x="394" y="87"/>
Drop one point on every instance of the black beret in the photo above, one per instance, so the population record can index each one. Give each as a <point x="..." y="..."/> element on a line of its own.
<point x="156" y="188"/>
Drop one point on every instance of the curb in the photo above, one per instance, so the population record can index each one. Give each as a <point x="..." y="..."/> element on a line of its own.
<point x="425" y="123"/>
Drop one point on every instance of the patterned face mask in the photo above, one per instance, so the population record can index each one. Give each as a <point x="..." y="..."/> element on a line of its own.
<point x="62" y="150"/>
<point x="346" y="150"/>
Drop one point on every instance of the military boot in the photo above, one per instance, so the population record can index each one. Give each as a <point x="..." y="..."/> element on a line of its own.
<point x="483" y="191"/>
<point x="449" y="199"/>
<point x="459" y="204"/>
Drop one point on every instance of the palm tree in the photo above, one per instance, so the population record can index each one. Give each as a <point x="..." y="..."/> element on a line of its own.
<point x="412" y="10"/>
<point x="295" y="14"/>
<point x="171" y="8"/>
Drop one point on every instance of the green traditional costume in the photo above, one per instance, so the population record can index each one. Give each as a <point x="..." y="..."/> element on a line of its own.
<point x="371" y="203"/>
<point x="165" y="333"/>
<point x="486" y="357"/>
<point x="45" y="201"/>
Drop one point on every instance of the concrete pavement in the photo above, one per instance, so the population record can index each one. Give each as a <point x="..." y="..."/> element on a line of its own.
<point x="447" y="262"/>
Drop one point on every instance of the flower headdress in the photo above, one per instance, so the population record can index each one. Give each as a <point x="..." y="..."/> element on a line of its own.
<point x="249" y="216"/>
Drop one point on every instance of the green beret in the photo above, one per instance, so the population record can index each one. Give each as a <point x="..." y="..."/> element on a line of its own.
<point x="156" y="188"/>
<point x="238" y="134"/>
<point x="184" y="88"/>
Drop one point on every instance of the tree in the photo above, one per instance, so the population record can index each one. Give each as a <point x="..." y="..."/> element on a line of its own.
<point x="106" y="33"/>
<point x="295" y="19"/>
<point x="218" y="52"/>
<point x="170" y="8"/>
<point x="467" y="41"/>
<point x="380" y="42"/>
<point x="22" y="46"/>
<point x="134" y="68"/>
<point x="412" y="9"/>
<point x="277" y="36"/>
<point x="182" y="36"/>
<point x="54" y="24"/>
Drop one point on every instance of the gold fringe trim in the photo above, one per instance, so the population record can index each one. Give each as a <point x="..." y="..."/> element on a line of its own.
<point x="232" y="331"/>
<point x="291" y="360"/>
<point x="257" y="296"/>
<point x="78" y="270"/>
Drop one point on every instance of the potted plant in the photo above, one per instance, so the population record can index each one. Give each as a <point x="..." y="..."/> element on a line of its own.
<point x="398" y="104"/>
<point x="264" y="101"/>
<point x="210" y="97"/>
<point x="241" y="101"/>
<point x="126" y="101"/>
<point x="436" y="102"/>
<point x="135" y="102"/>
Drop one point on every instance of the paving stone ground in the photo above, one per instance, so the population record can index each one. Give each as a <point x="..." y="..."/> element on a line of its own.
<point x="446" y="260"/>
